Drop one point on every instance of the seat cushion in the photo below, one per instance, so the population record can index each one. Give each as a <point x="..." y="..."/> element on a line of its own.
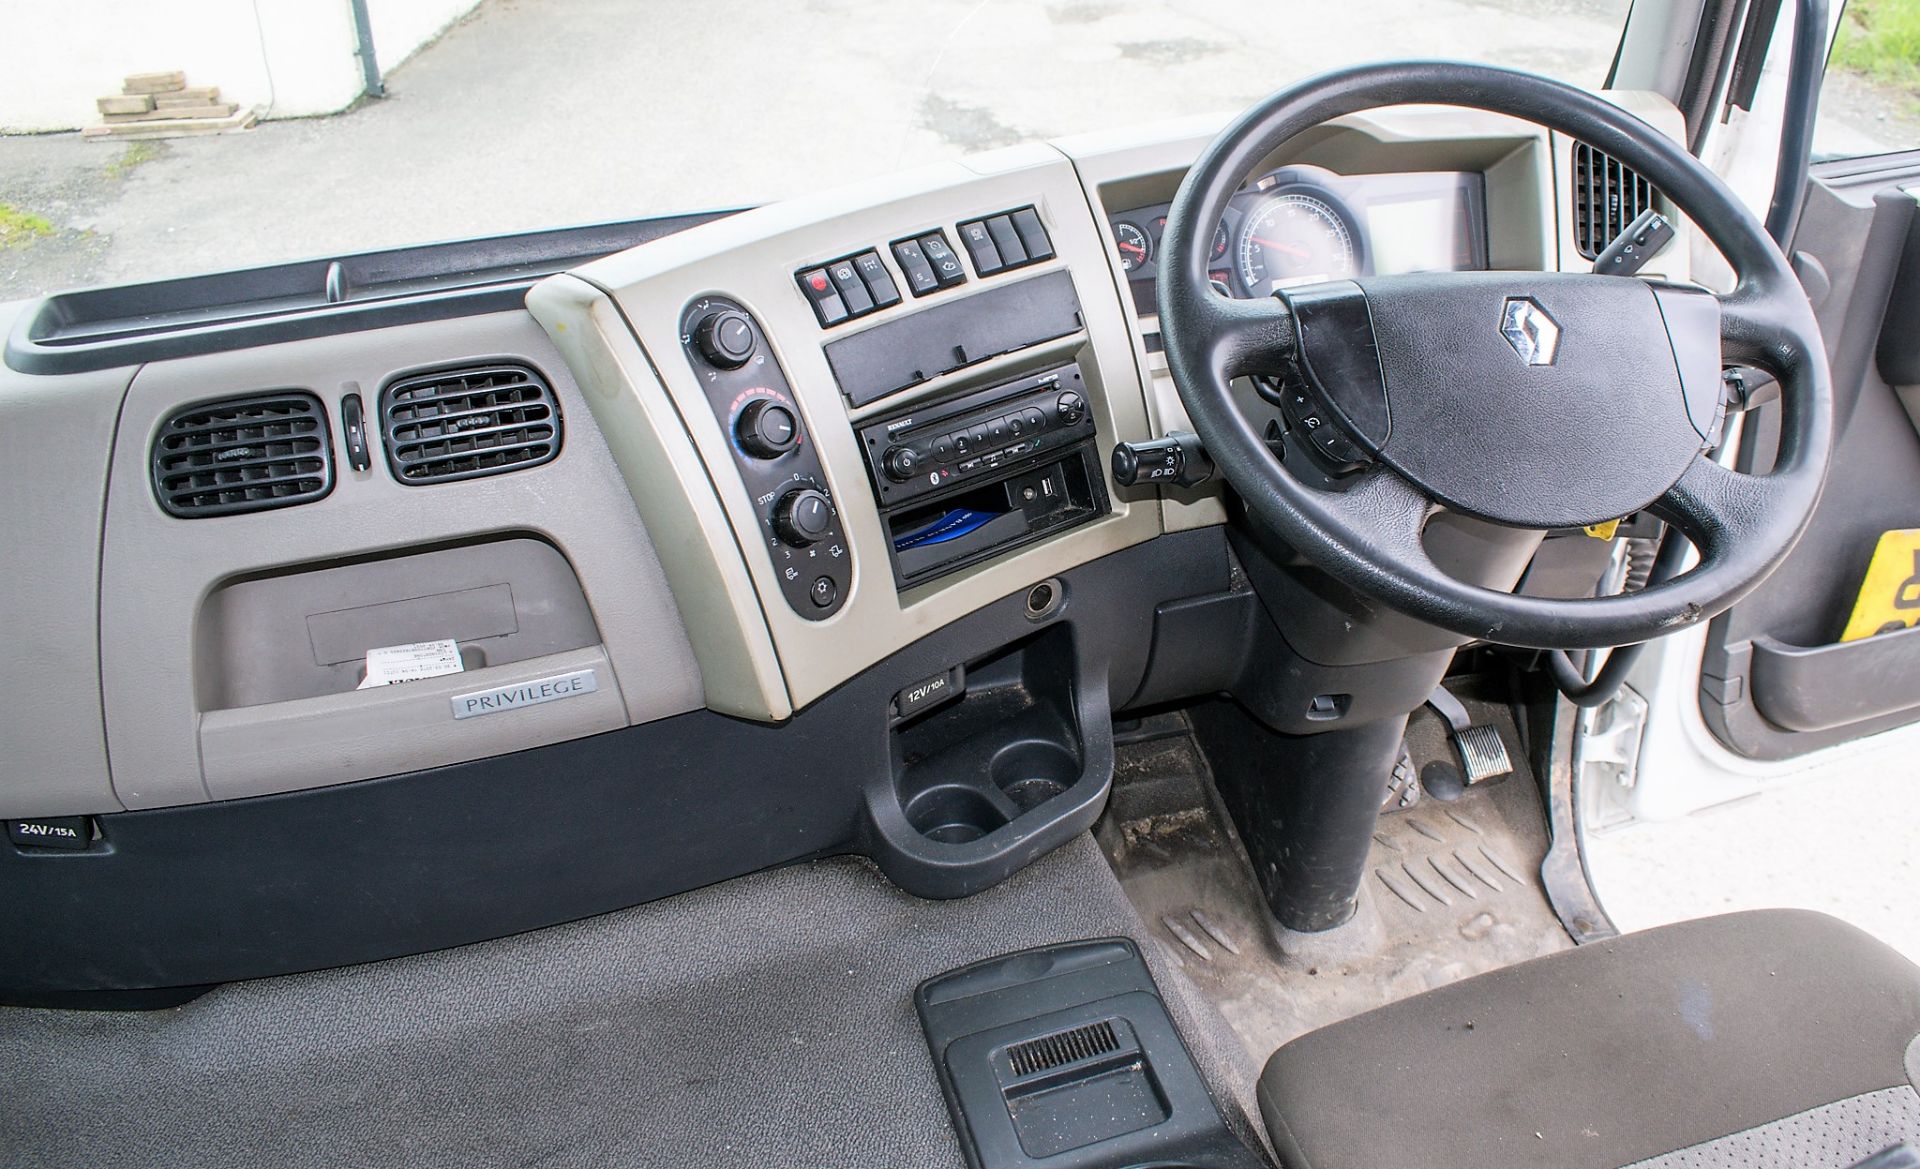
<point x="1612" y="1053"/>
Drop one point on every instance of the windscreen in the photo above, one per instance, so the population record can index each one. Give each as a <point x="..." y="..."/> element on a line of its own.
<point x="511" y="115"/>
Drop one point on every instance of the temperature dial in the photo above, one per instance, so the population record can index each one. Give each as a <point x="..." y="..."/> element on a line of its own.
<point x="802" y="517"/>
<point x="725" y="339"/>
<point x="766" y="429"/>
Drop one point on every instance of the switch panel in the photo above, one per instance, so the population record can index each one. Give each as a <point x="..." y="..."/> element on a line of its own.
<point x="941" y="263"/>
<point x="1012" y="239"/>
<point x="799" y="520"/>
<point x="849" y="287"/>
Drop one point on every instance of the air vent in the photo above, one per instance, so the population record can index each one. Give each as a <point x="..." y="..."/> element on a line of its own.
<point x="243" y="454"/>
<point x="1052" y="1051"/>
<point x="465" y="423"/>
<point x="1606" y="197"/>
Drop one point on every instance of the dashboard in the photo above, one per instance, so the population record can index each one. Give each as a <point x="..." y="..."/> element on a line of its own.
<point x="790" y="444"/>
<point x="696" y="545"/>
<point x="1301" y="225"/>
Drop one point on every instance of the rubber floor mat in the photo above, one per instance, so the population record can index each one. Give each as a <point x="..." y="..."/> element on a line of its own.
<point x="1452" y="888"/>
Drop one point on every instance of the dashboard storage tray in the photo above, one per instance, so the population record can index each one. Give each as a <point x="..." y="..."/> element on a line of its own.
<point x="892" y="356"/>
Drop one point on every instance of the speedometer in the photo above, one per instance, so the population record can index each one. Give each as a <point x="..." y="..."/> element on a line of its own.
<point x="1294" y="238"/>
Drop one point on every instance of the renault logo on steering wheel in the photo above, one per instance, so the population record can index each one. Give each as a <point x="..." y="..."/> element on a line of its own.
<point x="1534" y="335"/>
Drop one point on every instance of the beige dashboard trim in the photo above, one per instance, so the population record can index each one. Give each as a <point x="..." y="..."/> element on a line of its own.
<point x="752" y="257"/>
<point x="648" y="439"/>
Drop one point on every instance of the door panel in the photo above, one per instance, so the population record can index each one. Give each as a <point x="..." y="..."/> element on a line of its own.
<point x="1776" y="680"/>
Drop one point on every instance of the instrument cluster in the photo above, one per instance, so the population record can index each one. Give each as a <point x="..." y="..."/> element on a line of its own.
<point x="1306" y="225"/>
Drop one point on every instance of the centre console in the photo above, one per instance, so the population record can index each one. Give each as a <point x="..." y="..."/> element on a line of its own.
<point x="856" y="418"/>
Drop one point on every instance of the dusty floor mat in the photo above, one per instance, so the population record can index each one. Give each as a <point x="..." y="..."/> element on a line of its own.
<point x="763" y="1022"/>
<point x="1452" y="890"/>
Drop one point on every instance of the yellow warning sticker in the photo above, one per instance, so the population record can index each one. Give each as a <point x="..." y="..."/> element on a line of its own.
<point x="1602" y="531"/>
<point x="1890" y="596"/>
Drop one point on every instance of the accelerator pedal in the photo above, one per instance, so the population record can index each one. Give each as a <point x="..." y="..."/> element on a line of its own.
<point x="1483" y="754"/>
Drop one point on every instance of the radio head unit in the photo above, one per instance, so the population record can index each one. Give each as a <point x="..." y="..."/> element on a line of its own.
<point x="965" y="479"/>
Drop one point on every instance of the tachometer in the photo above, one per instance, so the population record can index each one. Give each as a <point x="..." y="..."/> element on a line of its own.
<point x="1294" y="238"/>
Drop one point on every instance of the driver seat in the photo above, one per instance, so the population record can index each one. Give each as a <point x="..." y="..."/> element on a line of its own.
<point x="1766" y="1039"/>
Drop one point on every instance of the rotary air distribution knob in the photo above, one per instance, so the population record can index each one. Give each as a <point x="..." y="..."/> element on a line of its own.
<point x="725" y="339"/>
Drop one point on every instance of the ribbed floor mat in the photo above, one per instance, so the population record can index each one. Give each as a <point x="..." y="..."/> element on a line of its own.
<point x="1453" y="889"/>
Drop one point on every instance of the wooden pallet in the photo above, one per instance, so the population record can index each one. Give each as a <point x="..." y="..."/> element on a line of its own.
<point x="162" y="105"/>
<point x="171" y="127"/>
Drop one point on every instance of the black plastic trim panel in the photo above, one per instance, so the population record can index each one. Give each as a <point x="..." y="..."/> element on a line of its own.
<point x="362" y="871"/>
<point x="1822" y="688"/>
<point x="105" y="328"/>
<point x="1065" y="1056"/>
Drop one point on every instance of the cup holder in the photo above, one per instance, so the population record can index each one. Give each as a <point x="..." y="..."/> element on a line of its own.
<point x="1033" y="772"/>
<point x="951" y="814"/>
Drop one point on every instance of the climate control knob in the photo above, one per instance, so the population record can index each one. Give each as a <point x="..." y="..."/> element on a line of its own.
<point x="803" y="516"/>
<point x="725" y="338"/>
<point x="766" y="429"/>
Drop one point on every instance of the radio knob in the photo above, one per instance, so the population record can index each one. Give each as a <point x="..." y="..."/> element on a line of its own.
<point x="1070" y="408"/>
<point x="803" y="516"/>
<point x="902" y="463"/>
<point x="725" y="339"/>
<point x="766" y="429"/>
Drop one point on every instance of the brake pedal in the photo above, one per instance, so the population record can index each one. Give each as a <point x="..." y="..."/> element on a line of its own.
<point x="1483" y="753"/>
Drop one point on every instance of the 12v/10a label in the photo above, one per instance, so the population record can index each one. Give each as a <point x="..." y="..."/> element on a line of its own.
<point x="520" y="694"/>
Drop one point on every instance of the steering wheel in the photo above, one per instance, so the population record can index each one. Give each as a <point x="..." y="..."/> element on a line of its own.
<point x="1531" y="400"/>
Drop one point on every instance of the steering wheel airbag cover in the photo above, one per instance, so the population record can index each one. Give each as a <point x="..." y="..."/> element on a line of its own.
<point x="1597" y="433"/>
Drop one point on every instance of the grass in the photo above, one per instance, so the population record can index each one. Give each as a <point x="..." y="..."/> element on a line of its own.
<point x="18" y="228"/>
<point x="1880" y="40"/>
<point x="136" y="155"/>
